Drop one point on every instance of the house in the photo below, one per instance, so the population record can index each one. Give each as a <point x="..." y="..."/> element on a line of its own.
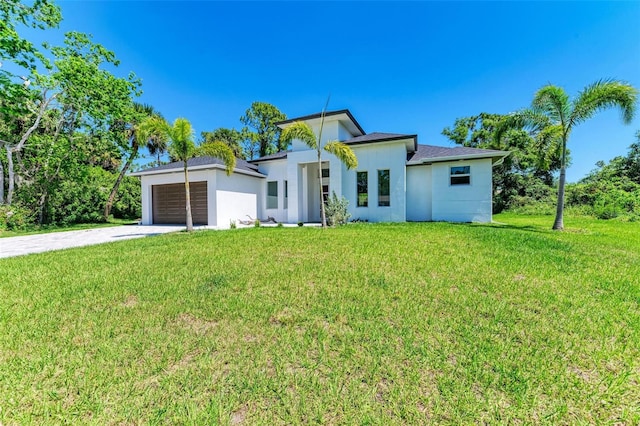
<point x="396" y="180"/>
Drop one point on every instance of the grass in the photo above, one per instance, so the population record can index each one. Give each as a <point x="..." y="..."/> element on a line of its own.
<point x="366" y="324"/>
<point x="45" y="229"/>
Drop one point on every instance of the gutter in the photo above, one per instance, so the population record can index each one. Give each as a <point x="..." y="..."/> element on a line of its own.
<point x="459" y="158"/>
<point x="195" y="168"/>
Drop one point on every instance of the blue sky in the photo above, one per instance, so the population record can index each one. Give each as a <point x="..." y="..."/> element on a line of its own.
<point x="400" y="67"/>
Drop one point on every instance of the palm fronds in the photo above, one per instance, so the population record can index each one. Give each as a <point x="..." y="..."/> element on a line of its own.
<point x="220" y="150"/>
<point x="301" y="131"/>
<point x="604" y="94"/>
<point x="344" y="153"/>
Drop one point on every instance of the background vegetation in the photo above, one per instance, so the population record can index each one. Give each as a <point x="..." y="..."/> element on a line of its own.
<point x="70" y="129"/>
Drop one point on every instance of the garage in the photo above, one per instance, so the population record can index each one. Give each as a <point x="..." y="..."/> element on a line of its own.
<point x="169" y="203"/>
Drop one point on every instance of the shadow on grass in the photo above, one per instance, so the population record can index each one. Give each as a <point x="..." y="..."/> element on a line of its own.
<point x="510" y="226"/>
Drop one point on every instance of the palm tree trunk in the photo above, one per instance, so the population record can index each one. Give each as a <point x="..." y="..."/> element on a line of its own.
<point x="558" y="224"/>
<point x="322" y="212"/>
<point x="188" y="199"/>
<point x="114" y="190"/>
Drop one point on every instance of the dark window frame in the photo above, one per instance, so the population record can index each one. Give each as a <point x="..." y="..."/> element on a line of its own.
<point x="360" y="186"/>
<point x="459" y="175"/>
<point x="384" y="200"/>
<point x="270" y="185"/>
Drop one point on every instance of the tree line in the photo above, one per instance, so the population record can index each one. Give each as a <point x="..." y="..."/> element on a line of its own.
<point x="71" y="128"/>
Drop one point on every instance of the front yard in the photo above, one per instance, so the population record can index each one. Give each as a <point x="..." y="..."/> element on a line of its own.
<point x="366" y="324"/>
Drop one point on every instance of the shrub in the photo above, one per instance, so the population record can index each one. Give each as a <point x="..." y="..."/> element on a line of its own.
<point x="336" y="210"/>
<point x="300" y="224"/>
<point x="15" y="217"/>
<point x="232" y="224"/>
<point x="257" y="223"/>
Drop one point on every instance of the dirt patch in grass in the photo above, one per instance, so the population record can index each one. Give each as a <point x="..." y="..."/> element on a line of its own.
<point x="195" y="324"/>
<point x="130" y="302"/>
<point x="239" y="416"/>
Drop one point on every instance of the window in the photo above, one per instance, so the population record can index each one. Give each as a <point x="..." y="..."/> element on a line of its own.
<point x="461" y="175"/>
<point x="286" y="194"/>
<point x="325" y="192"/>
<point x="325" y="173"/>
<point x="384" y="200"/>
<point x="272" y="195"/>
<point x="362" y="182"/>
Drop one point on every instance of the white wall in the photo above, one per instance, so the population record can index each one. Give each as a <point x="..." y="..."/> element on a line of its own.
<point x="419" y="193"/>
<point x="236" y="197"/>
<point x="371" y="158"/>
<point x="276" y="170"/>
<point x="147" y="181"/>
<point x="228" y="197"/>
<point x="462" y="203"/>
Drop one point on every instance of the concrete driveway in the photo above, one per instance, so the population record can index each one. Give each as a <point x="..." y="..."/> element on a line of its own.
<point x="17" y="246"/>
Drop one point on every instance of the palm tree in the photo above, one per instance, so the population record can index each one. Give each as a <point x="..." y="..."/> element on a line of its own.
<point x="136" y="134"/>
<point x="182" y="148"/>
<point x="555" y="114"/>
<point x="301" y="130"/>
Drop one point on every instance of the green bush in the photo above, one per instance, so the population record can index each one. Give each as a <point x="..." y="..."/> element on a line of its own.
<point x="15" y="217"/>
<point x="336" y="210"/>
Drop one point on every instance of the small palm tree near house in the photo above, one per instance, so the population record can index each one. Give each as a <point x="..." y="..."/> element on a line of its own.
<point x="182" y="147"/>
<point x="301" y="130"/>
<point x="555" y="114"/>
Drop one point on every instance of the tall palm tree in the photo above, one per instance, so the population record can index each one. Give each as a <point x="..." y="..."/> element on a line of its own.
<point x="183" y="148"/>
<point x="555" y="114"/>
<point x="301" y="130"/>
<point x="136" y="134"/>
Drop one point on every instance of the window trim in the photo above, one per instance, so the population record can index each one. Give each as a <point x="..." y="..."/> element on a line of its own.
<point x="286" y="194"/>
<point x="276" y="195"/>
<point x="366" y="203"/>
<point x="459" y="175"/>
<point x="388" y="188"/>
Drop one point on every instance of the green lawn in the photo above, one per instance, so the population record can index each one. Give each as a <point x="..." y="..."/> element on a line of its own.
<point x="365" y="324"/>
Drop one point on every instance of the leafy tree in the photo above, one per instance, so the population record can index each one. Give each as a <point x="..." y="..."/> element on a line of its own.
<point x="301" y="131"/>
<point x="183" y="148"/>
<point x="533" y="159"/>
<point x="137" y="132"/>
<point x="554" y="114"/>
<point x="264" y="139"/>
<point x="84" y="94"/>
<point x="230" y="137"/>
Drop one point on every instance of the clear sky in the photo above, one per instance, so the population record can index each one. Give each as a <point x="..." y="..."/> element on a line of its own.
<point x="402" y="67"/>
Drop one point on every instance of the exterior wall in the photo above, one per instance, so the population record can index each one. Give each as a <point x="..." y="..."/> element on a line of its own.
<point x="462" y="203"/>
<point x="147" y="181"/>
<point x="330" y="131"/>
<point x="228" y="197"/>
<point x="419" y="193"/>
<point x="371" y="158"/>
<point x="236" y="197"/>
<point x="276" y="170"/>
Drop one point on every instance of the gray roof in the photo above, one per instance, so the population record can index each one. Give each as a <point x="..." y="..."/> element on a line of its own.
<point x="378" y="137"/>
<point x="241" y="165"/>
<point x="276" y="156"/>
<point x="433" y="152"/>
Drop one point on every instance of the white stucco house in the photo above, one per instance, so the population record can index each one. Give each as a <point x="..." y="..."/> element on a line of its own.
<point x="396" y="180"/>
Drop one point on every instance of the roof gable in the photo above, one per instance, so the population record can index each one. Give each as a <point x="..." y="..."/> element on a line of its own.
<point x="432" y="153"/>
<point x="199" y="162"/>
<point x="344" y="116"/>
<point x="412" y="140"/>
